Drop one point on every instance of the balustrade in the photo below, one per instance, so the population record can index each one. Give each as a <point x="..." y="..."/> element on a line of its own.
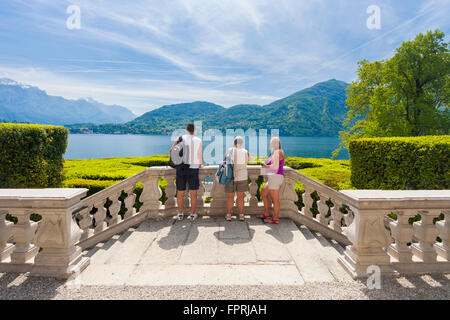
<point x="404" y="247"/>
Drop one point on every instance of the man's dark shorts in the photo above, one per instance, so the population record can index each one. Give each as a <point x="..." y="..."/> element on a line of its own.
<point x="187" y="176"/>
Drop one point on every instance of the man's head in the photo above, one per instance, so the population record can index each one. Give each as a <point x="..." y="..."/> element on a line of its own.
<point x="238" y="141"/>
<point x="190" y="128"/>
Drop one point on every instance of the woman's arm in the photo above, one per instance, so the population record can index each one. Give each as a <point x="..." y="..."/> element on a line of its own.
<point x="275" y="161"/>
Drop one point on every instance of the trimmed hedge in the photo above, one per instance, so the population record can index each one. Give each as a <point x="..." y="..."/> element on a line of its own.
<point x="401" y="163"/>
<point x="31" y="155"/>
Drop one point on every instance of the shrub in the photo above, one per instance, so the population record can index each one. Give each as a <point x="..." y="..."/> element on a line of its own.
<point x="401" y="163"/>
<point x="31" y="155"/>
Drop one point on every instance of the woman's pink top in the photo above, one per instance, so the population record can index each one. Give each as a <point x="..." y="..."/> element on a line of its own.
<point x="280" y="167"/>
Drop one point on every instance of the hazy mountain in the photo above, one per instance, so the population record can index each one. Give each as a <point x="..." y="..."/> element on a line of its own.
<point x="316" y="111"/>
<point x="23" y="103"/>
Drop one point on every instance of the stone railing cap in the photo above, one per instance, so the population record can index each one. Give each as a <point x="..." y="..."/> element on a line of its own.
<point x="42" y="194"/>
<point x="384" y="195"/>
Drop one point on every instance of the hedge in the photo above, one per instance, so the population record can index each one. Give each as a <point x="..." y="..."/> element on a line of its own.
<point x="401" y="163"/>
<point x="31" y="155"/>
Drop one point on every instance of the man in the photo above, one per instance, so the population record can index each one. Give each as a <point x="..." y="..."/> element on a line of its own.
<point x="189" y="175"/>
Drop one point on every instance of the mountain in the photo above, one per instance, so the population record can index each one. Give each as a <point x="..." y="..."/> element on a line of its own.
<point x="24" y="103"/>
<point x="315" y="111"/>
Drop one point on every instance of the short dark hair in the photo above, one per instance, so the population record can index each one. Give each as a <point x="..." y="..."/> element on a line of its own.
<point x="190" y="127"/>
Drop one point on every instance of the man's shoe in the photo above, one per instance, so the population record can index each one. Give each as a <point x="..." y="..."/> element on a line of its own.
<point x="193" y="216"/>
<point x="180" y="216"/>
<point x="228" y="217"/>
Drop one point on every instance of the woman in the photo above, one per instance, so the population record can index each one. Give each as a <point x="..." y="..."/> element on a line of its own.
<point x="275" y="178"/>
<point x="239" y="159"/>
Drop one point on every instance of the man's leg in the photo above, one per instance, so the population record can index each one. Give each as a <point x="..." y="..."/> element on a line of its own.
<point x="193" y="194"/>
<point x="240" y="202"/>
<point x="180" y="195"/>
<point x="230" y="202"/>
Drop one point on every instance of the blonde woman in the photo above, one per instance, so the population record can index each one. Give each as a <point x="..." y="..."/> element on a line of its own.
<point x="239" y="186"/>
<point x="275" y="178"/>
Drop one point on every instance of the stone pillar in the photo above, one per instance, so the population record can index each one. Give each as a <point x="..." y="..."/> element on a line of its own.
<point x="402" y="232"/>
<point x="150" y="196"/>
<point x="219" y="199"/>
<point x="323" y="209"/>
<point x="336" y="214"/>
<point x="23" y="233"/>
<point x="426" y="232"/>
<point x="368" y="237"/>
<point x="288" y="196"/>
<point x="100" y="216"/>
<point x="129" y="201"/>
<point x="171" y="202"/>
<point x="56" y="236"/>
<point x="201" y="191"/>
<point x="5" y="233"/>
<point x="307" y="200"/>
<point x="443" y="248"/>
<point x="85" y="222"/>
<point x="253" y="202"/>
<point x="114" y="209"/>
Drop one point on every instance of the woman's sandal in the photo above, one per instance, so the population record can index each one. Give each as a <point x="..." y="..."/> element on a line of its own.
<point x="263" y="216"/>
<point x="271" y="220"/>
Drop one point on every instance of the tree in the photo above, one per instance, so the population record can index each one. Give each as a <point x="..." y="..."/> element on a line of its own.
<point x="407" y="95"/>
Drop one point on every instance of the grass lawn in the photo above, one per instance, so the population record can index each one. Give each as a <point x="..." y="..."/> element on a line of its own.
<point x="97" y="174"/>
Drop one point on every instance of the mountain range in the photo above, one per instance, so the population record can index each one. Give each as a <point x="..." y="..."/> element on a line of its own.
<point x="24" y="103"/>
<point x="315" y="111"/>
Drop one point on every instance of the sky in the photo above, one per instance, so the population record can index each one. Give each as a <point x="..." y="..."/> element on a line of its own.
<point x="145" y="54"/>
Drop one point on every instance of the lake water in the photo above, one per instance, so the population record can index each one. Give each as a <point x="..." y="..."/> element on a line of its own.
<point x="91" y="146"/>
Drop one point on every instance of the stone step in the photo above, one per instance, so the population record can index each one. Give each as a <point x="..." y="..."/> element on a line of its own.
<point x="329" y="254"/>
<point x="306" y="251"/>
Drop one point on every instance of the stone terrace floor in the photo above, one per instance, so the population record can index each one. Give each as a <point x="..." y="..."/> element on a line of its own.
<point x="215" y="259"/>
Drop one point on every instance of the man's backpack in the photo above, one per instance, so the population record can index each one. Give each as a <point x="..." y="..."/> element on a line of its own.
<point x="179" y="156"/>
<point x="225" y="174"/>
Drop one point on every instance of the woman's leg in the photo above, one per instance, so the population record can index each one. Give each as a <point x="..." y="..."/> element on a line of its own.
<point x="274" y="194"/>
<point x="240" y="202"/>
<point x="265" y="197"/>
<point x="230" y="202"/>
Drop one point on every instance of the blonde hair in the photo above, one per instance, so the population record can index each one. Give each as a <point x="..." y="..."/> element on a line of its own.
<point x="275" y="143"/>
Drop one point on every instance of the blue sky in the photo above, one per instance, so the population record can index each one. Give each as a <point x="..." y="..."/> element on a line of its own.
<point x="144" y="54"/>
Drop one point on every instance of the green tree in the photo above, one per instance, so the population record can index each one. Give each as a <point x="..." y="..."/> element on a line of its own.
<point x="407" y="95"/>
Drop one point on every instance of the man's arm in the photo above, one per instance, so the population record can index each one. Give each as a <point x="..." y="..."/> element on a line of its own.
<point x="200" y="155"/>
<point x="175" y="143"/>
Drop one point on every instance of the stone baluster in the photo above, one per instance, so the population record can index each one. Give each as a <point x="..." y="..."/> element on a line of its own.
<point x="219" y="199"/>
<point x="369" y="238"/>
<point x="348" y="218"/>
<point x="100" y="216"/>
<point x="129" y="201"/>
<point x="253" y="201"/>
<point x="336" y="215"/>
<point x="171" y="202"/>
<point x="150" y="196"/>
<point x="201" y="191"/>
<point x="402" y="232"/>
<point x="288" y="196"/>
<point x="85" y="222"/>
<point x="443" y="248"/>
<point x="307" y="200"/>
<point x="426" y="232"/>
<point x="23" y="234"/>
<point x="114" y="209"/>
<point x="5" y="233"/>
<point x="323" y="209"/>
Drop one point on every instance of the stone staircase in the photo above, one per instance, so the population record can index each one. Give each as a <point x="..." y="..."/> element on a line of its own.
<point x="212" y="251"/>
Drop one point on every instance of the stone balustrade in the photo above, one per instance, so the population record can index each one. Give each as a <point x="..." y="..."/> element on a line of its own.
<point x="355" y="218"/>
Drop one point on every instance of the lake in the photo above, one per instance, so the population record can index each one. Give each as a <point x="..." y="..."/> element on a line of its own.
<point x="91" y="146"/>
